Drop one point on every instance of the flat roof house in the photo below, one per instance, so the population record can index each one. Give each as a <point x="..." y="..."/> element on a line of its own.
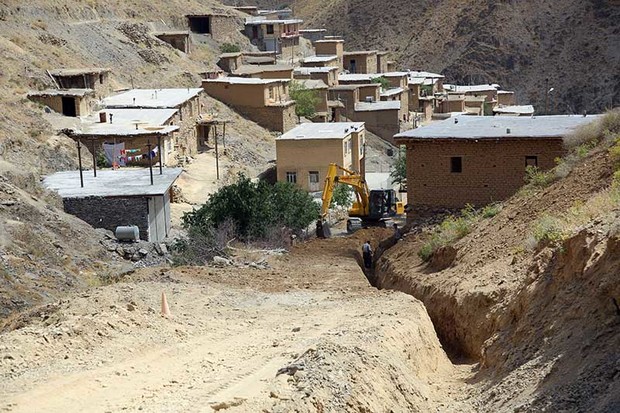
<point x="320" y="61"/>
<point x="329" y="75"/>
<point x="362" y="61"/>
<point x="330" y="47"/>
<point x="216" y="25"/>
<point x="313" y="34"/>
<point x="265" y="101"/>
<point x="304" y="153"/>
<point x="480" y="159"/>
<point x="265" y="71"/>
<point x="69" y="102"/>
<point x="275" y="35"/>
<point x="186" y="102"/>
<point x="82" y="78"/>
<point x="178" y="39"/>
<point x="119" y="198"/>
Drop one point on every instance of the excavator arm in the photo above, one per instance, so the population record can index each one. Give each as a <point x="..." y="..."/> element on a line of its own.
<point x="360" y="207"/>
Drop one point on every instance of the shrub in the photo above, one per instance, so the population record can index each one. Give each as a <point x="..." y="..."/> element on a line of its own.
<point x="548" y="230"/>
<point x="229" y="48"/>
<point x="382" y="80"/>
<point x="343" y="196"/>
<point x="399" y="169"/>
<point x="537" y="178"/>
<point x="254" y="209"/>
<point x="491" y="210"/>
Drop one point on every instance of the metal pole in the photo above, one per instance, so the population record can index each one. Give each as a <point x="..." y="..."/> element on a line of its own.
<point x="217" y="156"/>
<point x="94" y="159"/>
<point x="79" y="147"/>
<point x="224" y="137"/>
<point x="161" y="172"/>
<point x="148" y="145"/>
<point x="546" y="96"/>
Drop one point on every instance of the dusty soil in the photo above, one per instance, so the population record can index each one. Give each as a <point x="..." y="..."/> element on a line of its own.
<point x="338" y="344"/>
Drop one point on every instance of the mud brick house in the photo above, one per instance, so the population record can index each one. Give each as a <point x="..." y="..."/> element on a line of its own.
<point x="362" y="61"/>
<point x="382" y="62"/>
<point x="94" y="78"/>
<point x="313" y="34"/>
<point x="186" y="102"/>
<point x="119" y="198"/>
<point x="426" y="93"/>
<point x="480" y="159"/>
<point x="453" y="103"/>
<point x="69" y="102"/>
<point x="265" y="71"/>
<point x="304" y="153"/>
<point x="330" y="47"/>
<point x="329" y="75"/>
<point x="320" y="61"/>
<point x="506" y="98"/>
<point x="177" y="39"/>
<point x="474" y="92"/>
<point x="265" y="101"/>
<point x="275" y="35"/>
<point x="216" y="25"/>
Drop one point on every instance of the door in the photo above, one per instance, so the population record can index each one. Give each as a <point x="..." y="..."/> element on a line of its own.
<point x="313" y="181"/>
<point x="352" y="66"/>
<point x="68" y="106"/>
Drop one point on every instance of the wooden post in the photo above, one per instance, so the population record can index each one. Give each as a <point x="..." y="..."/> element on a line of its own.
<point x="217" y="155"/>
<point x="224" y="137"/>
<point x="93" y="148"/>
<point x="79" y="148"/>
<point x="161" y="157"/>
<point x="148" y="145"/>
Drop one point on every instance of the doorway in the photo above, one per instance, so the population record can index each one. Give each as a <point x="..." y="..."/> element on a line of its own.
<point x="68" y="106"/>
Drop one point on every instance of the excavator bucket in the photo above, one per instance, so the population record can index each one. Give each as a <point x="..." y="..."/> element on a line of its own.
<point x="322" y="229"/>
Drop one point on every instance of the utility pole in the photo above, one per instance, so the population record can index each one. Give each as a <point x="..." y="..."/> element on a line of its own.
<point x="148" y="145"/>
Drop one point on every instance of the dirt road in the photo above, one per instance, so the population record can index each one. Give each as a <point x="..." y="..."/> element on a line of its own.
<point x="339" y="344"/>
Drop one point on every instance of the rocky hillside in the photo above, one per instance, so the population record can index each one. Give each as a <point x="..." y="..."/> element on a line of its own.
<point x="518" y="44"/>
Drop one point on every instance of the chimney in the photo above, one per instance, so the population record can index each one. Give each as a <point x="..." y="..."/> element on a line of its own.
<point x="111" y="114"/>
<point x="508" y="131"/>
<point x="585" y="113"/>
<point x="456" y="120"/>
<point x="103" y="117"/>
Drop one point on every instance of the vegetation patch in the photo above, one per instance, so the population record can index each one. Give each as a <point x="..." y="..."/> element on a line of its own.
<point x="306" y="100"/>
<point x="229" y="48"/>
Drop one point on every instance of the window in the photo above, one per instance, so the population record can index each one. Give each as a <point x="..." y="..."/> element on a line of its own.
<point x="456" y="164"/>
<point x="270" y="29"/>
<point x="531" y="161"/>
<point x="349" y="145"/>
<point x="291" y="177"/>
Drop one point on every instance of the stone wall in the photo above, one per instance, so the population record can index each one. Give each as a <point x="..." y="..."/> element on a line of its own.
<point x="225" y="28"/>
<point x="110" y="213"/>
<point x="492" y="170"/>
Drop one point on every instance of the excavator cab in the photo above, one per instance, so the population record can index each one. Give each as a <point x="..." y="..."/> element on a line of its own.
<point x="382" y="204"/>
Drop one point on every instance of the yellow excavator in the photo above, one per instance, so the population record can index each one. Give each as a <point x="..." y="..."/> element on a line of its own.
<point x="376" y="207"/>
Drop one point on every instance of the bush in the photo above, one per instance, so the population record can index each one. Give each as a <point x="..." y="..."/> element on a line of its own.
<point x="382" y="80"/>
<point x="201" y="245"/>
<point x="537" y="178"/>
<point x="306" y="100"/>
<point x="229" y="48"/>
<point x="548" y="230"/>
<point x="399" y="169"/>
<point x="491" y="210"/>
<point x="604" y="129"/>
<point x="254" y="209"/>
<point x="343" y="196"/>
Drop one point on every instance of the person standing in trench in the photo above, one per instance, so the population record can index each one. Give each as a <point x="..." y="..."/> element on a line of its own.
<point x="367" y="254"/>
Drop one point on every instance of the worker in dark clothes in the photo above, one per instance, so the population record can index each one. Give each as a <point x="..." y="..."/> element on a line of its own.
<point x="367" y="253"/>
<point x="397" y="234"/>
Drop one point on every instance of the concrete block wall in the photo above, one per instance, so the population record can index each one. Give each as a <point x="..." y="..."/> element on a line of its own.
<point x="491" y="170"/>
<point x="110" y="213"/>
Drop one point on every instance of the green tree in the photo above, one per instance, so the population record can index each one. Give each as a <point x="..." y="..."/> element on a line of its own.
<point x="382" y="80"/>
<point x="306" y="100"/>
<point x="343" y="196"/>
<point x="399" y="169"/>
<point x="255" y="209"/>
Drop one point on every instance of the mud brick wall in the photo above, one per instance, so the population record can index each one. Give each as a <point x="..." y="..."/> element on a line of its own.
<point x="492" y="170"/>
<point x="274" y="118"/>
<point x="225" y="28"/>
<point x="110" y="213"/>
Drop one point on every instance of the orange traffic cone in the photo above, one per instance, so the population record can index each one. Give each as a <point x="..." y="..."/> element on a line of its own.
<point x="165" y="310"/>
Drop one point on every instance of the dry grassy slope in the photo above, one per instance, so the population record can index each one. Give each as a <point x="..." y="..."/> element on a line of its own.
<point x="43" y="251"/>
<point x="575" y="43"/>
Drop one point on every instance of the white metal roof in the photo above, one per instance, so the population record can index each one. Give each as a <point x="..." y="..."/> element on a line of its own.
<point x="110" y="183"/>
<point x="309" y="70"/>
<point x="497" y="127"/>
<point x="320" y="59"/>
<point x="471" y="88"/>
<point x="151" y="98"/>
<point x="329" y="130"/>
<point x="517" y="109"/>
<point x="393" y="91"/>
<point x="374" y="106"/>
<point x="258" y="21"/>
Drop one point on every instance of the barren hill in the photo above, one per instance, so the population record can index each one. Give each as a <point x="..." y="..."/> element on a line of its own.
<point x="518" y="44"/>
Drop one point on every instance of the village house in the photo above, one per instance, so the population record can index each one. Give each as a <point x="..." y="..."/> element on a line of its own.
<point x="426" y="93"/>
<point x="275" y="35"/>
<point x="119" y="198"/>
<point x="186" y="102"/>
<point x="313" y="34"/>
<point x="452" y="103"/>
<point x="478" y="160"/>
<point x="473" y="93"/>
<point x="320" y="61"/>
<point x="130" y="137"/>
<point x="363" y="61"/>
<point x="329" y="75"/>
<point x="506" y="98"/>
<point x="177" y="39"/>
<point x="260" y="58"/>
<point x="304" y="153"/>
<point x="94" y="78"/>
<point x="218" y="26"/>
<point x="69" y="102"/>
<point x="382" y="62"/>
<point x="330" y="47"/>
<point x="265" y="101"/>
<point x="229" y="62"/>
<point x="265" y="71"/>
